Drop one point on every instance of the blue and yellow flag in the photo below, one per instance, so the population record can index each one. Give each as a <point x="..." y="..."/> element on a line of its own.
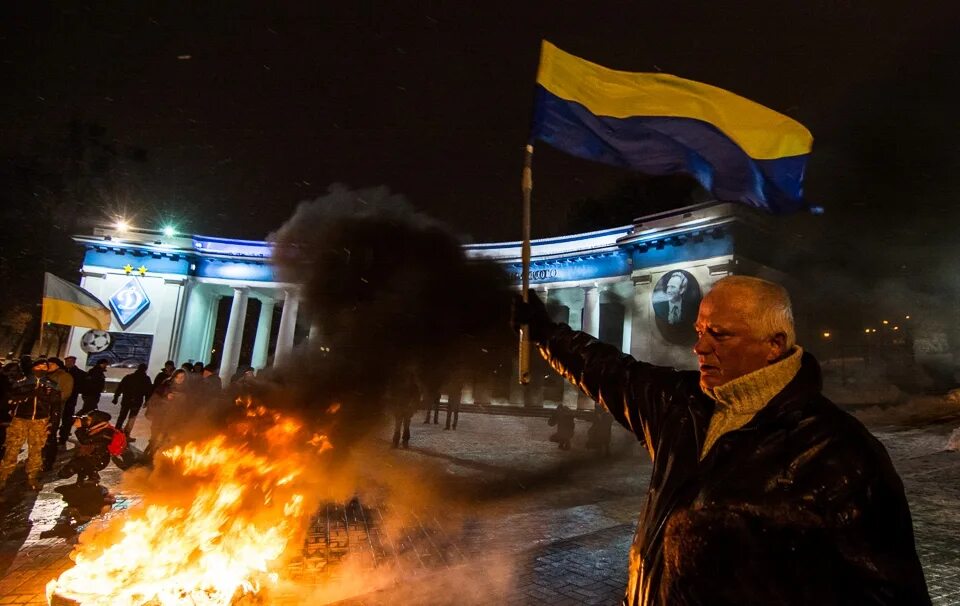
<point x="662" y="125"/>
<point x="66" y="303"/>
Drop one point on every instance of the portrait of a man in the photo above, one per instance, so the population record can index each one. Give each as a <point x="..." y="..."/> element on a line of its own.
<point x="676" y="299"/>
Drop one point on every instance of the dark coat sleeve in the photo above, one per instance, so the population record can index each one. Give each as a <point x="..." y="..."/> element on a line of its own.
<point x="637" y="394"/>
<point x="122" y="388"/>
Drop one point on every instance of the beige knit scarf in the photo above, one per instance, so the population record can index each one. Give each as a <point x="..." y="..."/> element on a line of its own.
<point x="742" y="398"/>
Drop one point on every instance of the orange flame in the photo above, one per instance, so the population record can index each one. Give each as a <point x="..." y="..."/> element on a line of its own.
<point x="222" y="535"/>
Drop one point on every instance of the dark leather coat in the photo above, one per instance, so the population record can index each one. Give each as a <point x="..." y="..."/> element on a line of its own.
<point x="800" y="506"/>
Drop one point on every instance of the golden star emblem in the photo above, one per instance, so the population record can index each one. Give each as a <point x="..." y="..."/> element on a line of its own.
<point x="127" y="268"/>
<point x="143" y="270"/>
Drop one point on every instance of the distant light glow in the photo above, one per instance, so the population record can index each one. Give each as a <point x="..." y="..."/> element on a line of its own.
<point x="866" y="330"/>
<point x="896" y="328"/>
<point x="169" y="231"/>
<point x="885" y="322"/>
<point x="121" y="225"/>
<point x="906" y="317"/>
<point x="826" y="334"/>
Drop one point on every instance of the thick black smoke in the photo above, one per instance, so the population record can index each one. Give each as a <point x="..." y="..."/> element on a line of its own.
<point x="392" y="293"/>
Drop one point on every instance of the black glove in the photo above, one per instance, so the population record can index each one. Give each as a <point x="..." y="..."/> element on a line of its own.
<point x="533" y="314"/>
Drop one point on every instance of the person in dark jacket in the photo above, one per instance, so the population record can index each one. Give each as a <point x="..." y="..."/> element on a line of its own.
<point x="8" y="377"/>
<point x="64" y="381"/>
<point x="598" y="436"/>
<point x="762" y="490"/>
<point x="168" y="367"/>
<point x="94" y="386"/>
<point x="70" y="405"/>
<point x="133" y="390"/>
<point x="165" y="407"/>
<point x="91" y="456"/>
<point x="210" y="383"/>
<point x="403" y="399"/>
<point x="563" y="419"/>
<point x="32" y="400"/>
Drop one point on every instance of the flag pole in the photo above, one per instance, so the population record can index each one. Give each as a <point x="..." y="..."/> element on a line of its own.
<point x="526" y="185"/>
<point x="40" y="343"/>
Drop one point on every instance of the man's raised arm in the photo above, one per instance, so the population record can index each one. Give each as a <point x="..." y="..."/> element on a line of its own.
<point x="637" y="394"/>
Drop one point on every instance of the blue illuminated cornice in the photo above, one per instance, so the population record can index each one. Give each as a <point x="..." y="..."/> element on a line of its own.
<point x="690" y="233"/>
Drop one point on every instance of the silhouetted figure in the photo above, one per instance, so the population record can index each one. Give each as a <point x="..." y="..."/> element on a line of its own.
<point x="32" y="400"/>
<point x="10" y="375"/>
<point x="598" y="436"/>
<point x="64" y="380"/>
<point x="210" y="383"/>
<point x="404" y="398"/>
<point x="133" y="391"/>
<point x="163" y="375"/>
<point x="563" y="419"/>
<point x="163" y="407"/>
<point x="432" y="401"/>
<point x="91" y="456"/>
<point x="93" y="387"/>
<point x="70" y="406"/>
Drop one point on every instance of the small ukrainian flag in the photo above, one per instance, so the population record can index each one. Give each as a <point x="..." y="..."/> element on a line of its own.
<point x="66" y="303"/>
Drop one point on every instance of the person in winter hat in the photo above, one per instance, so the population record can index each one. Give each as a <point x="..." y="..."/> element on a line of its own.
<point x="32" y="400"/>
<point x="94" y="435"/>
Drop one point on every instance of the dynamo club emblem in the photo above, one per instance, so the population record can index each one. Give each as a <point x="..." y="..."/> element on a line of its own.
<point x="129" y="302"/>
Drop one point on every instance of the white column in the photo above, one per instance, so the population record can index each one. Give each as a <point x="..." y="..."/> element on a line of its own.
<point x="205" y="351"/>
<point x="591" y="326"/>
<point x="231" y="343"/>
<point x="261" y="343"/>
<point x="288" y="325"/>
<point x="627" y="339"/>
<point x="591" y="311"/>
<point x="571" y="394"/>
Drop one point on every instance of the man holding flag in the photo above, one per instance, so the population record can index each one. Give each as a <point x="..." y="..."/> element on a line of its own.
<point x="762" y="490"/>
<point x="37" y="400"/>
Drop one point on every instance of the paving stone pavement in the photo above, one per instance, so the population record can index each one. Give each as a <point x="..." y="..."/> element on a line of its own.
<point x="554" y="528"/>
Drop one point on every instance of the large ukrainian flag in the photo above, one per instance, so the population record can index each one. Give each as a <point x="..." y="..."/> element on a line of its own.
<point x="660" y="124"/>
<point x="67" y="303"/>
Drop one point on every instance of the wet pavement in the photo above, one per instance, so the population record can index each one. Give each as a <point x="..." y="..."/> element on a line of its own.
<point x="535" y="525"/>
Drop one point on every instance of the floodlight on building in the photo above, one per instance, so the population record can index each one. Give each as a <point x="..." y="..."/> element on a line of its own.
<point x="169" y="231"/>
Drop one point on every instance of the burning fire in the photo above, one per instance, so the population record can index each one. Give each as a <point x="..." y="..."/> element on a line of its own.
<point x="240" y="501"/>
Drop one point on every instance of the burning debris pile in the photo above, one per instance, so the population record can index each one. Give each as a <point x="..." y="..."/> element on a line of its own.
<point x="216" y="520"/>
<point x="229" y="500"/>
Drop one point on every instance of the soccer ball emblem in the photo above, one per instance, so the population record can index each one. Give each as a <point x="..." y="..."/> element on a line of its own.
<point x="95" y="341"/>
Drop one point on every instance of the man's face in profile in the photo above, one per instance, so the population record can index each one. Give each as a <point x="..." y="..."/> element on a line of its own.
<point x="675" y="288"/>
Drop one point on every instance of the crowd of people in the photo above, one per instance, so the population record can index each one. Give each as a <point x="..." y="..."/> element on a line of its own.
<point x="38" y="409"/>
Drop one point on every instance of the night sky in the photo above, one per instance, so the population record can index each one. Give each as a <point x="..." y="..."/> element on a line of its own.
<point x="245" y="109"/>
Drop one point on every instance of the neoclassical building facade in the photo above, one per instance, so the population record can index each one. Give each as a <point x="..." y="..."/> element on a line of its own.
<point x="636" y="286"/>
